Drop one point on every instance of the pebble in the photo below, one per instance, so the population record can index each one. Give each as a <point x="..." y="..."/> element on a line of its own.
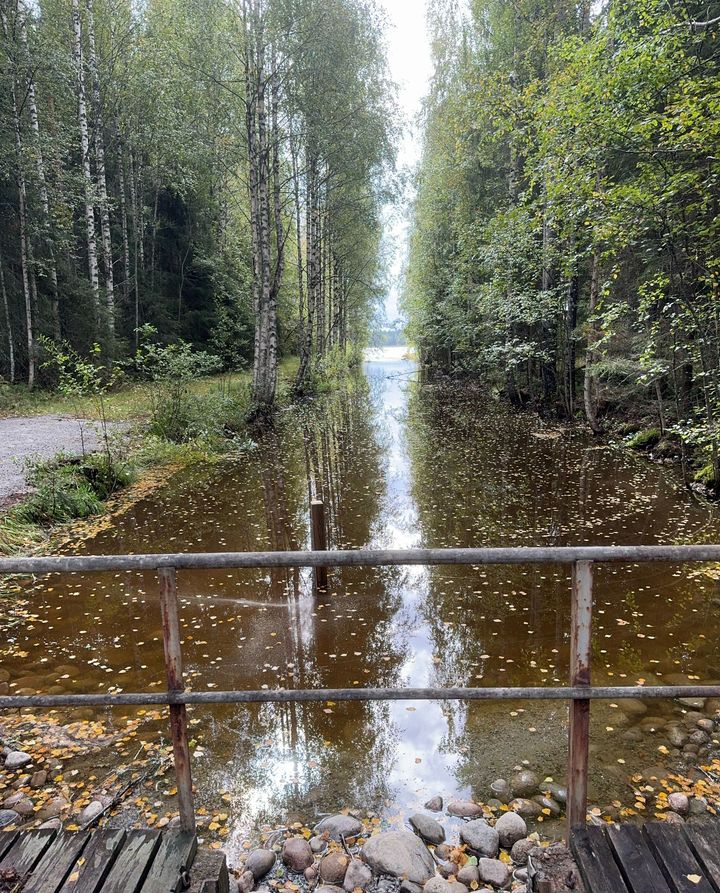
<point x="8" y="817"/>
<point x="524" y="783"/>
<point x="510" y="828"/>
<point x="674" y="819"/>
<point x="333" y="868"/>
<point x="434" y="804"/>
<point x="20" y="804"/>
<point x="521" y="849"/>
<point x="339" y="825"/>
<point x="91" y="811"/>
<point x="38" y="779"/>
<point x="358" y="875"/>
<point x="16" y="759"/>
<point x="260" y="861"/>
<point x="698" y="806"/>
<point x="479" y="836"/>
<point x="676" y="736"/>
<point x="310" y="874"/>
<point x="328" y="888"/>
<point x="679" y="803"/>
<point x="501" y="790"/>
<point x="296" y="854"/>
<point x="464" y="809"/>
<point x="409" y="887"/>
<point x="52" y="808"/>
<point x="548" y="803"/>
<point x="430" y="830"/>
<point x="707" y="725"/>
<point x="692" y="703"/>
<point x="246" y="882"/>
<point x="469" y="875"/>
<point x="525" y="807"/>
<point x="632" y="707"/>
<point x="437" y="885"/>
<point x="400" y="854"/>
<point x="557" y="791"/>
<point x="493" y="871"/>
<point x="442" y="851"/>
<point x="698" y="737"/>
<point x="318" y="844"/>
<point x="52" y="823"/>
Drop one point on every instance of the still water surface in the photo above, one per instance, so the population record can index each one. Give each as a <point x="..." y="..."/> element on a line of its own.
<point x="398" y="465"/>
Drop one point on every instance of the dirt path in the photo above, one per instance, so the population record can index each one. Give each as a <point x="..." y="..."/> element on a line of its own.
<point x="41" y="436"/>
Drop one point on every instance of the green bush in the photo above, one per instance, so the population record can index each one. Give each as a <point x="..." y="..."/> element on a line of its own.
<point x="645" y="440"/>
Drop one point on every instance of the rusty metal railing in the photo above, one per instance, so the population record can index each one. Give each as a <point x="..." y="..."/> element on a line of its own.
<point x="579" y="692"/>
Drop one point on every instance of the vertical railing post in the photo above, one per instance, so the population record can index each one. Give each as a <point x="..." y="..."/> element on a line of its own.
<point x="318" y="539"/>
<point x="579" y="731"/>
<point x="178" y="712"/>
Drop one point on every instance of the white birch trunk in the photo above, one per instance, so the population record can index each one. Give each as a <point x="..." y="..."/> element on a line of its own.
<point x="8" y="322"/>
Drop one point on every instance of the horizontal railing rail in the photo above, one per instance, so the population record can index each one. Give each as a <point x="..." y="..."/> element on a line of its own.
<point x="579" y="692"/>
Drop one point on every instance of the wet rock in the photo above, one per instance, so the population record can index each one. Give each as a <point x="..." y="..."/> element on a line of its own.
<point x="557" y="791"/>
<point x="339" y="826"/>
<point x="296" y="854"/>
<point x="437" y="885"/>
<point x="501" y="790"/>
<point x="38" y="779"/>
<point x="712" y="705"/>
<point x="480" y="837"/>
<point x="4" y="676"/>
<point x="548" y="803"/>
<point x="333" y="868"/>
<point x="443" y="851"/>
<point x="4" y="688"/>
<point x="697" y="806"/>
<point x="524" y="783"/>
<point x="91" y="811"/>
<point x="8" y="817"/>
<point x="520" y="850"/>
<point x="409" y="887"/>
<point x="246" y="882"/>
<point x="55" y="824"/>
<point x="400" y="854"/>
<point x="674" y="819"/>
<point x="358" y="875"/>
<point x="679" y="803"/>
<point x="493" y="871"/>
<point x="653" y="773"/>
<point x="698" y="737"/>
<point x="52" y="808"/>
<point x="632" y="707"/>
<point x="677" y="736"/>
<point x="692" y="703"/>
<point x="20" y="804"/>
<point x="525" y="807"/>
<point x="260" y="861"/>
<point x="16" y="759"/>
<point x="706" y="725"/>
<point x="464" y="809"/>
<point x="510" y="827"/>
<point x="469" y="875"/>
<point x="633" y="735"/>
<point x="430" y="830"/>
<point x="310" y="874"/>
<point x="434" y="804"/>
<point x="318" y="844"/>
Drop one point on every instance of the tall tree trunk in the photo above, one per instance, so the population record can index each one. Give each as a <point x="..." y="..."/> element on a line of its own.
<point x="590" y="381"/>
<point x="123" y="216"/>
<point x="310" y="201"/>
<point x="42" y="181"/>
<point x="85" y="151"/>
<point x="100" y="174"/>
<point x="8" y="322"/>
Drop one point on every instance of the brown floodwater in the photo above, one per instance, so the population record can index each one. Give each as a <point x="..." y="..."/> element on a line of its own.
<point x="398" y="464"/>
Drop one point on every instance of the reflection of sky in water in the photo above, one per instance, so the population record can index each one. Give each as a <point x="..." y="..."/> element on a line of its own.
<point x="419" y="767"/>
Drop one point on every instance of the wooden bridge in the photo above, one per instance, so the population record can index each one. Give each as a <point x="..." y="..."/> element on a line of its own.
<point x="579" y="692"/>
<point x="111" y="861"/>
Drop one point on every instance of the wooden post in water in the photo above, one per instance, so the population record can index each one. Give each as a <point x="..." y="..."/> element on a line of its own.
<point x="579" y="731"/>
<point x="318" y="539"/>
<point x="178" y="712"/>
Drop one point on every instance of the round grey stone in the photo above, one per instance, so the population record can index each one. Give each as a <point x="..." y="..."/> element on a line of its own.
<point x="510" y="827"/>
<point x="339" y="825"/>
<point x="8" y="817"/>
<point x="434" y="804"/>
<point x="464" y="809"/>
<point x="521" y="849"/>
<point x="296" y="854"/>
<point x="358" y="874"/>
<point x="480" y="837"/>
<point x="427" y="828"/>
<point x="493" y="871"/>
<point x="16" y="759"/>
<point x="400" y="854"/>
<point x="260" y="861"/>
<point x="468" y="875"/>
<point x="524" y="783"/>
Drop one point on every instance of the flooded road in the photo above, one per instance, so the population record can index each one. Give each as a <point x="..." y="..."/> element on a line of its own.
<point x="398" y="465"/>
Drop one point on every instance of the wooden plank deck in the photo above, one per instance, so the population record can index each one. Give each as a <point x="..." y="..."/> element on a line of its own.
<point x="657" y="858"/>
<point x="112" y="861"/>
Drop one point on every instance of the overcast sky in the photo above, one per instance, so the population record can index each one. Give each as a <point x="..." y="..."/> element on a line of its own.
<point x="410" y="66"/>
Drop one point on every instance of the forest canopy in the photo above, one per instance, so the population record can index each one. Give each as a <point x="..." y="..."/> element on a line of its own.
<point x="565" y="231"/>
<point x="214" y="169"/>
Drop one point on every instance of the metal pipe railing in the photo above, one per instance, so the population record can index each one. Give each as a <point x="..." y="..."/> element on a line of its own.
<point x="579" y="692"/>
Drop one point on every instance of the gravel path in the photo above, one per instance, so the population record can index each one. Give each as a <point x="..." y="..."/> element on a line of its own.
<point x="41" y="436"/>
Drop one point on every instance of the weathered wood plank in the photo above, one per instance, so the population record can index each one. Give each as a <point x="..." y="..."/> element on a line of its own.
<point x="639" y="868"/>
<point x="51" y="871"/>
<point x="91" y="869"/>
<point x="705" y="843"/>
<point x="27" y="850"/>
<point x="133" y="863"/>
<point x="672" y="852"/>
<point x="7" y="838"/>
<point x="595" y="860"/>
<point x="175" y="855"/>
